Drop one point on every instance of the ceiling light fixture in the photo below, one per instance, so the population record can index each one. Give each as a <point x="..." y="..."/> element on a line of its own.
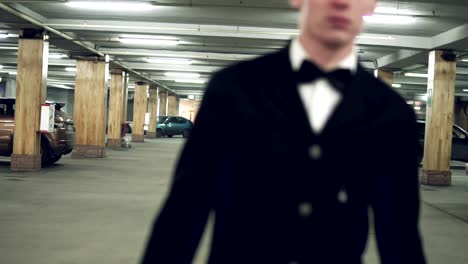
<point x="111" y="5"/>
<point x="8" y="35"/>
<point x="1" y="66"/>
<point x="417" y="108"/>
<point x="57" y="56"/>
<point x="389" y="19"/>
<point x="70" y="69"/>
<point x="375" y="37"/>
<point x="420" y="75"/>
<point x="59" y="86"/>
<point x="465" y="90"/>
<point x="189" y="81"/>
<point x="154" y="42"/>
<point x="169" y="61"/>
<point x="182" y="74"/>
<point x="396" y="85"/>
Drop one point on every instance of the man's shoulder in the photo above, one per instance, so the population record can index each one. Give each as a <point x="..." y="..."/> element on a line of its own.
<point x="385" y="99"/>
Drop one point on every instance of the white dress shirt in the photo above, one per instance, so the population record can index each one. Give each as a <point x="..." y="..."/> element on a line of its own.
<point x="318" y="97"/>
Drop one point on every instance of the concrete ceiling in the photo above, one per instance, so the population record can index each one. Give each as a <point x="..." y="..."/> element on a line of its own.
<point x="216" y="33"/>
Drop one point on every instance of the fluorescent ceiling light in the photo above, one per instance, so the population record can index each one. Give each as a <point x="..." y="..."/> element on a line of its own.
<point x="169" y="61"/>
<point x="8" y="48"/>
<point x="69" y="69"/>
<point x="389" y="19"/>
<point x="421" y="75"/>
<point x="465" y="60"/>
<point x="0" y="79"/>
<point x="4" y="36"/>
<point x="396" y="85"/>
<point x="59" y="86"/>
<point x="375" y="37"/>
<point x="57" y="56"/>
<point x="189" y="81"/>
<point x="465" y="90"/>
<point x="182" y="74"/>
<point x="111" y="5"/>
<point x="417" y="108"/>
<point x="148" y="37"/>
<point x="1" y="66"/>
<point x="141" y="41"/>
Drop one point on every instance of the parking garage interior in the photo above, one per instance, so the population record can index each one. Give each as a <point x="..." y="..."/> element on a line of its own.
<point x="113" y="68"/>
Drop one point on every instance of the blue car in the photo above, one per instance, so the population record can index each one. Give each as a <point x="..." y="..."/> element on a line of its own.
<point x="173" y="125"/>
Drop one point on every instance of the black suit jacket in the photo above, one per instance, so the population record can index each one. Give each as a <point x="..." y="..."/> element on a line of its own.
<point x="249" y="161"/>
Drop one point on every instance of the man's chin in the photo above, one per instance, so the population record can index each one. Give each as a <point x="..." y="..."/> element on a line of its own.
<point x="337" y="42"/>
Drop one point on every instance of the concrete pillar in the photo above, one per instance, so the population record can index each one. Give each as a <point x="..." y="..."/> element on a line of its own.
<point x="386" y="76"/>
<point x="171" y="105"/>
<point x="116" y="99"/>
<point x="125" y="98"/>
<point x="10" y="89"/>
<point x="439" y="120"/>
<point x="90" y="107"/>
<point x="460" y="114"/>
<point x="31" y="89"/>
<point x="162" y="103"/>
<point x="152" y="109"/>
<point x="139" y="111"/>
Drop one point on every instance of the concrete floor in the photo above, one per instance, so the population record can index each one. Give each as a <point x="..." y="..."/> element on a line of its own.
<point x="101" y="211"/>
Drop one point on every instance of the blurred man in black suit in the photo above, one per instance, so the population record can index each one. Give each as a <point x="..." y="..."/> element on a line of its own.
<point x="308" y="142"/>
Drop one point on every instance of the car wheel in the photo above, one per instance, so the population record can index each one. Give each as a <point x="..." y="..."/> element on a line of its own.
<point x="159" y="133"/>
<point x="55" y="159"/>
<point x="186" y="133"/>
<point x="45" y="153"/>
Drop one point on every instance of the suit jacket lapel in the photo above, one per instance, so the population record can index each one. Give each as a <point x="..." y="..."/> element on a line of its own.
<point x="352" y="106"/>
<point x="288" y="95"/>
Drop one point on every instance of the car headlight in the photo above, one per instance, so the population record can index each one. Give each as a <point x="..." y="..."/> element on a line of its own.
<point x="59" y="125"/>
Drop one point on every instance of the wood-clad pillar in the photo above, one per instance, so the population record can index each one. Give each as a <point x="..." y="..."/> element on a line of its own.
<point x="139" y="111"/>
<point x="172" y="105"/>
<point x="31" y="88"/>
<point x="386" y="76"/>
<point x="162" y="103"/>
<point x="90" y="107"/>
<point x="116" y="99"/>
<point x="153" y="111"/>
<point x="439" y="120"/>
<point x="125" y="98"/>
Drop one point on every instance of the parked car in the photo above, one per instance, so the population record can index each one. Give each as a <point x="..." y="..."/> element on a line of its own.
<point x="53" y="145"/>
<point x="459" y="142"/>
<point x="173" y="125"/>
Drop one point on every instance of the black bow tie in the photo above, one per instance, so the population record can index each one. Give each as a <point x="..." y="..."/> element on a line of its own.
<point x="339" y="79"/>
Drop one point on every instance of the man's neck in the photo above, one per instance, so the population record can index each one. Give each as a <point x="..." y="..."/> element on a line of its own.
<point x="324" y="56"/>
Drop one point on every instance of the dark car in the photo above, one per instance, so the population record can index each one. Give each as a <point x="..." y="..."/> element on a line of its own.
<point x="173" y="125"/>
<point x="459" y="141"/>
<point x="53" y="145"/>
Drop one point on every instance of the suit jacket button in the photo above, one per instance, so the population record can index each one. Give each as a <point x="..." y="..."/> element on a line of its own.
<point x="343" y="196"/>
<point x="305" y="209"/>
<point x="315" y="152"/>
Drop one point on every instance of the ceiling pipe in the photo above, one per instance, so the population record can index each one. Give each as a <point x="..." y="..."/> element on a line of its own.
<point x="76" y="42"/>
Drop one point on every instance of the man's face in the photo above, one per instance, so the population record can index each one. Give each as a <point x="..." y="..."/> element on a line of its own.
<point x="332" y="22"/>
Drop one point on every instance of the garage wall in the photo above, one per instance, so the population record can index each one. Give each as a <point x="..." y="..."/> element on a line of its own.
<point x="62" y="95"/>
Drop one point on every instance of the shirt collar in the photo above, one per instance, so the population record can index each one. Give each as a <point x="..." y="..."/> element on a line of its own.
<point x="297" y="55"/>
